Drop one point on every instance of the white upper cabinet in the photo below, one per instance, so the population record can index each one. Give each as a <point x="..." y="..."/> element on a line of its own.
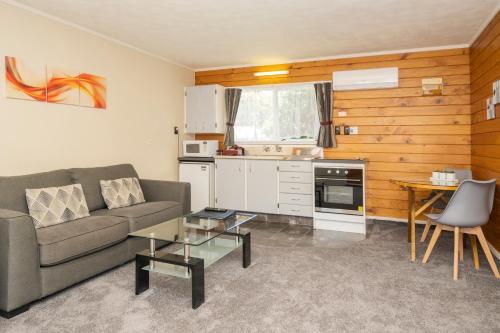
<point x="205" y="110"/>
<point x="262" y="186"/>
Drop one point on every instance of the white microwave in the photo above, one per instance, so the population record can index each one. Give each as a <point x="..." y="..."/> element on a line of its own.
<point x="200" y="148"/>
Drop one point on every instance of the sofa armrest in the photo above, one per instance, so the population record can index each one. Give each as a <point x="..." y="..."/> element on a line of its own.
<point x="19" y="261"/>
<point x="162" y="190"/>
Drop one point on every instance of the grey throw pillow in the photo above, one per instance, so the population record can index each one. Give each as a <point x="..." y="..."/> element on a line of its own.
<point x="122" y="192"/>
<point x="54" y="205"/>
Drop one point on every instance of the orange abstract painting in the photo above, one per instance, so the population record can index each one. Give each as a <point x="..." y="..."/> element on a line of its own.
<point x="54" y="84"/>
<point x="92" y="90"/>
<point x="24" y="80"/>
<point x="63" y="86"/>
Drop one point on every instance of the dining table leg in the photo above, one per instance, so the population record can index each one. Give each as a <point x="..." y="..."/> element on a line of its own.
<point x="409" y="217"/>
<point x="411" y="222"/>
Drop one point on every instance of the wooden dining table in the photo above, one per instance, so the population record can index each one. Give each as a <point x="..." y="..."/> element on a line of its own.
<point x="411" y="186"/>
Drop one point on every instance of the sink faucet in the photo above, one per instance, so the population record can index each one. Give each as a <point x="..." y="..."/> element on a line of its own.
<point x="278" y="148"/>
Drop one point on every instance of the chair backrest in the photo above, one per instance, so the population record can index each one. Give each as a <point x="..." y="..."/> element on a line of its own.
<point x="470" y="205"/>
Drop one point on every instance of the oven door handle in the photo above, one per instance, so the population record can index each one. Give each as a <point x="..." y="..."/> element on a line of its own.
<point x="342" y="179"/>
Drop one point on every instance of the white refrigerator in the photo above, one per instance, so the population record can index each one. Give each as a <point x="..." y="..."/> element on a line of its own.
<point x="201" y="176"/>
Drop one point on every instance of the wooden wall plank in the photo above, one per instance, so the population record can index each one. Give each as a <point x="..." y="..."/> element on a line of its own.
<point x="485" y="151"/>
<point x="418" y="120"/>
<point x="408" y="139"/>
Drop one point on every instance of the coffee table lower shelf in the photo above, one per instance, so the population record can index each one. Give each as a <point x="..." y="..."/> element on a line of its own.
<point x="192" y="266"/>
<point x="210" y="252"/>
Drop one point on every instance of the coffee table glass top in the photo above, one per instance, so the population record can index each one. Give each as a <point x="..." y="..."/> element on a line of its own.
<point x="191" y="230"/>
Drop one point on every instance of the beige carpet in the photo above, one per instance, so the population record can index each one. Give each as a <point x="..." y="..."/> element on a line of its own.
<point x="300" y="281"/>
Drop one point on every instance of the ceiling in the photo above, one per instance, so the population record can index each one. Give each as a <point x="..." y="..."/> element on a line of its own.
<point x="203" y="33"/>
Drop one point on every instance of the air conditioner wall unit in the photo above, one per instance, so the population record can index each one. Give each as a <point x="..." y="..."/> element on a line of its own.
<point x="377" y="78"/>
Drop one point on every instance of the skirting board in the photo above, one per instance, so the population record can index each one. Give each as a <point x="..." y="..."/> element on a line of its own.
<point x="395" y="219"/>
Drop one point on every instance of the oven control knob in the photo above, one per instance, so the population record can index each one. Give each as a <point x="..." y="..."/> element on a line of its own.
<point x="329" y="171"/>
<point x="337" y="171"/>
<point x="346" y="172"/>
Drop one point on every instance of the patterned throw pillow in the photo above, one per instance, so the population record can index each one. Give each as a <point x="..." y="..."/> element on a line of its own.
<point x="122" y="192"/>
<point x="54" y="205"/>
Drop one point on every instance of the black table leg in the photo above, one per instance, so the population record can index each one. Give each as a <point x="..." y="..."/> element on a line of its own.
<point x="141" y="275"/>
<point x="247" y="250"/>
<point x="197" y="283"/>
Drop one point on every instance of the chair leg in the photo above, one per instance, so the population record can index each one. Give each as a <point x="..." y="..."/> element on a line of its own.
<point x="461" y="246"/>
<point x="426" y="231"/>
<point x="433" y="241"/>
<point x="486" y="249"/>
<point x="456" y="242"/>
<point x="473" y="245"/>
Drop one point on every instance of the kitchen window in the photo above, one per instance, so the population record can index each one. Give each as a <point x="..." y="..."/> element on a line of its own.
<point x="277" y="113"/>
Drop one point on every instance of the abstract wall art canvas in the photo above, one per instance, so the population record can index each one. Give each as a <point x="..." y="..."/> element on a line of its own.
<point x="54" y="84"/>
<point x="25" y="80"/>
<point x="92" y="91"/>
<point x="63" y="86"/>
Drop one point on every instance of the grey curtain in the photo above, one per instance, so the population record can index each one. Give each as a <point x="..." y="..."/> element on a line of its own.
<point x="326" y="135"/>
<point x="232" y="102"/>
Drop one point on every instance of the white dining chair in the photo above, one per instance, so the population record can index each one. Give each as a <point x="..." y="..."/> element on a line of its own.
<point x="468" y="209"/>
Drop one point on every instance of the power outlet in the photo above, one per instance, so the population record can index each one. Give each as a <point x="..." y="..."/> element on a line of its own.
<point x="342" y="114"/>
<point x="176" y="130"/>
<point x="353" y="130"/>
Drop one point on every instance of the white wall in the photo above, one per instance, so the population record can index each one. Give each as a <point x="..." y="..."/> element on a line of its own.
<point x="145" y="99"/>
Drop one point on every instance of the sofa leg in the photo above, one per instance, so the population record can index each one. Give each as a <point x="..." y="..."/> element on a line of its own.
<point x="15" y="312"/>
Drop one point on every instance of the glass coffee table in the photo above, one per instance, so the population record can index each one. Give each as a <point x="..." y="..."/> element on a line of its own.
<point x="204" y="241"/>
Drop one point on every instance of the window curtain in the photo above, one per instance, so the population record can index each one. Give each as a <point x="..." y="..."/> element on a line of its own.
<point x="233" y="96"/>
<point x="326" y="135"/>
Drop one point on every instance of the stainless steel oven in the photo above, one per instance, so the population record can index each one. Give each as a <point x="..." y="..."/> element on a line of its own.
<point x="338" y="189"/>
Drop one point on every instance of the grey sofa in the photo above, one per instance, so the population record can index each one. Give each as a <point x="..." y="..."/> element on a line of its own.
<point x="35" y="263"/>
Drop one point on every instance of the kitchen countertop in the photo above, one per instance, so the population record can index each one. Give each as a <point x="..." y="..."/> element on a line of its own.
<point x="291" y="158"/>
<point x="333" y="160"/>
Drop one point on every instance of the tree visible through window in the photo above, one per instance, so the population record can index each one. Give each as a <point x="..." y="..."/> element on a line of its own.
<point x="277" y="113"/>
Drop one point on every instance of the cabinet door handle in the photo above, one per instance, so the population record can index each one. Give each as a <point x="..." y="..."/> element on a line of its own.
<point x="295" y="210"/>
<point x="295" y="177"/>
<point x="294" y="188"/>
<point x="294" y="199"/>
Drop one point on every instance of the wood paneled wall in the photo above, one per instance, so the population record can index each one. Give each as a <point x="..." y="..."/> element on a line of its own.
<point x="485" y="69"/>
<point x="401" y="133"/>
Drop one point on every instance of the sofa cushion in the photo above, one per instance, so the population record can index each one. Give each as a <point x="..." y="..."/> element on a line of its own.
<point x="122" y="192"/>
<point x="53" y="205"/>
<point x="13" y="189"/>
<point x="146" y="214"/>
<point x="66" y="241"/>
<point x="90" y="179"/>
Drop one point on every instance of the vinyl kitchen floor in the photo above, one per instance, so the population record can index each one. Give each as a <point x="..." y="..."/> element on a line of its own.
<point x="300" y="280"/>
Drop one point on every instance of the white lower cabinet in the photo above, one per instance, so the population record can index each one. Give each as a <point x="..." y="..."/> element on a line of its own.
<point x="296" y="188"/>
<point x="296" y="210"/>
<point x="262" y="186"/>
<point x="296" y="199"/>
<point x="230" y="184"/>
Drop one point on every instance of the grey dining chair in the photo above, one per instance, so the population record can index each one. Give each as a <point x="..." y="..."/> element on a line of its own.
<point x="468" y="209"/>
<point x="440" y="204"/>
